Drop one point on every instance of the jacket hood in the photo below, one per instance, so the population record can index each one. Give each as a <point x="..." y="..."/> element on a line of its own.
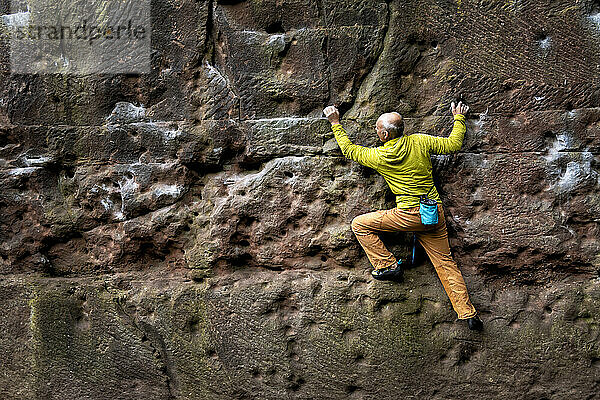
<point x="395" y="150"/>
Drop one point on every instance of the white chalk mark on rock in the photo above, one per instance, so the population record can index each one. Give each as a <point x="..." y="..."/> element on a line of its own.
<point x="545" y="43"/>
<point x="595" y="19"/>
<point x="23" y="171"/>
<point x="562" y="142"/>
<point x="166" y="190"/>
<point x="17" y="20"/>
<point x="125" y="112"/>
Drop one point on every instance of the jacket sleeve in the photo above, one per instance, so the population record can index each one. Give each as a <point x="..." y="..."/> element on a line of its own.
<point x="367" y="156"/>
<point x="451" y="144"/>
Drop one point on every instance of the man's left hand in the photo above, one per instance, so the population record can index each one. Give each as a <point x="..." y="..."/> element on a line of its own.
<point x="332" y="114"/>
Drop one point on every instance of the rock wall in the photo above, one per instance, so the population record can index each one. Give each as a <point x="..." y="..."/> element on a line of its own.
<point x="186" y="233"/>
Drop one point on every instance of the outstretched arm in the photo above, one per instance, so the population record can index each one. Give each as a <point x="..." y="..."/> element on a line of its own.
<point x="367" y="156"/>
<point x="453" y="143"/>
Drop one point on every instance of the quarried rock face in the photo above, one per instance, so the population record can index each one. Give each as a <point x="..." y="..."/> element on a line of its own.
<point x="302" y="334"/>
<point x="186" y="233"/>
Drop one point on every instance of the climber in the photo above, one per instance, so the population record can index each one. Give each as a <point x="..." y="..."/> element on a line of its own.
<point x="404" y="162"/>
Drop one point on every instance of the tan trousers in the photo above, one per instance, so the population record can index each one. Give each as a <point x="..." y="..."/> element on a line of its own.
<point x="434" y="240"/>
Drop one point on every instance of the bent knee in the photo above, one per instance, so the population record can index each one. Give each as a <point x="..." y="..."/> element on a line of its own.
<point x="361" y="224"/>
<point x="356" y="224"/>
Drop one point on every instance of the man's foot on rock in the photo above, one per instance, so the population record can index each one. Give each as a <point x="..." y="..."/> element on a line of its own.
<point x="389" y="273"/>
<point x="475" y="323"/>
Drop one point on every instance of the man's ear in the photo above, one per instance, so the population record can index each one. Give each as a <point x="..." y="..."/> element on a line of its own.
<point x="386" y="135"/>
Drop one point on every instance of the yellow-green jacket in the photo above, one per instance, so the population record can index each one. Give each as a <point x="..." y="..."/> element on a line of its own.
<point x="405" y="161"/>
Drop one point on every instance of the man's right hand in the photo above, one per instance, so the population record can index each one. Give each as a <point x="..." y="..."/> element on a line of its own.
<point x="460" y="108"/>
<point x="332" y="114"/>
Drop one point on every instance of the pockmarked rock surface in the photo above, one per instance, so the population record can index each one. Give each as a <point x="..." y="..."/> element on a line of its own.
<point x="185" y="233"/>
<point x="302" y="334"/>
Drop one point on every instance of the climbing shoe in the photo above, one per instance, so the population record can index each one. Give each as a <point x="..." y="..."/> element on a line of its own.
<point x="389" y="273"/>
<point x="475" y="323"/>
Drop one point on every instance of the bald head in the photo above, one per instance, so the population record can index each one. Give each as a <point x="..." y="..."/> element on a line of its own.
<point x="391" y="123"/>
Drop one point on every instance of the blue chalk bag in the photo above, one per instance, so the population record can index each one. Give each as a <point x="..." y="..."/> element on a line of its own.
<point x="428" y="208"/>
